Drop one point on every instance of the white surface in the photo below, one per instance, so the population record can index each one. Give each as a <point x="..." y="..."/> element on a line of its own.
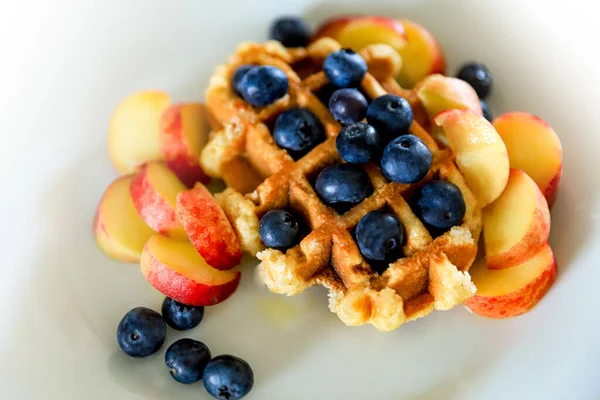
<point x="66" y="64"/>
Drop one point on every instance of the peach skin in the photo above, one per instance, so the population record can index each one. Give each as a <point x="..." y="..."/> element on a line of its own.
<point x="208" y="228"/>
<point x="439" y="93"/>
<point x="153" y="191"/>
<point x="363" y="31"/>
<point x="510" y="292"/>
<point x="133" y="134"/>
<point x="184" y="130"/>
<point x="534" y="147"/>
<point x="422" y="55"/>
<point x="517" y="224"/>
<point x="174" y="268"/>
<point x="119" y="231"/>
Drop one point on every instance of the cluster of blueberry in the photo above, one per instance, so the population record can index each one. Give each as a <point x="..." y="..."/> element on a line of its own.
<point x="143" y="331"/>
<point x="383" y="138"/>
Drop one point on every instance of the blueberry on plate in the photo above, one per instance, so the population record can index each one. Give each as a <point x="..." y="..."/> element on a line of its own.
<point x="487" y="114"/>
<point x="345" y="68"/>
<point x="478" y="76"/>
<point x="261" y="86"/>
<point x="290" y="31"/>
<point x="358" y="143"/>
<point x="379" y="236"/>
<point x="406" y="159"/>
<point x="186" y="360"/>
<point x="278" y="229"/>
<point x="228" y="377"/>
<point x="440" y="205"/>
<point x="342" y="186"/>
<point x="298" y="131"/>
<point x="179" y="316"/>
<point x="141" y="332"/>
<point x="348" y="105"/>
<point x="390" y="115"/>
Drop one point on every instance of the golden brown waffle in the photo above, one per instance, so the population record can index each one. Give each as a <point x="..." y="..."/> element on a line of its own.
<point x="262" y="177"/>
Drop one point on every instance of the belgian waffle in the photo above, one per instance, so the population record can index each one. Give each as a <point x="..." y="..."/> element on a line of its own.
<point x="261" y="177"/>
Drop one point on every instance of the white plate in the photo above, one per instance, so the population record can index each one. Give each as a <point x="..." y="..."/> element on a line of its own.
<point x="65" y="66"/>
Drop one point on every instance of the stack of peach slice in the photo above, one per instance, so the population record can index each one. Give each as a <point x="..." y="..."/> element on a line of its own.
<point x="182" y="239"/>
<point x="518" y="267"/>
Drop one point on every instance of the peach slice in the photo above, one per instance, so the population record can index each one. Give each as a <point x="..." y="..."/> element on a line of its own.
<point x="184" y="130"/>
<point x="153" y="191"/>
<point x="422" y="55"/>
<point x="176" y="270"/>
<point x="208" y="228"/>
<point x="517" y="224"/>
<point x="133" y="134"/>
<point x="120" y="232"/>
<point x="480" y="153"/>
<point x="513" y="291"/>
<point x="534" y="147"/>
<point x="363" y="31"/>
<point x="332" y="27"/>
<point x="440" y="93"/>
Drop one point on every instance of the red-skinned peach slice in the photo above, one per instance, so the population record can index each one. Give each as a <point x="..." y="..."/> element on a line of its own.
<point x="439" y="93"/>
<point x="363" y="31"/>
<point x="480" y="153"/>
<point x="154" y="190"/>
<point x="176" y="270"/>
<point x="184" y="130"/>
<point x="534" y="147"/>
<point x="332" y="27"/>
<point x="208" y="228"/>
<point x="133" y="134"/>
<point x="422" y="55"/>
<point x="120" y="232"/>
<point x="513" y="291"/>
<point x="517" y="224"/>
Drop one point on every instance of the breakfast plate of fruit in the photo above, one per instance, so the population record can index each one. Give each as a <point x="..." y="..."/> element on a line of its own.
<point x="344" y="200"/>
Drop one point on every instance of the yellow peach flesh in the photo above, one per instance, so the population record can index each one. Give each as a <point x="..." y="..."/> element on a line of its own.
<point x="133" y="136"/>
<point x="182" y="257"/>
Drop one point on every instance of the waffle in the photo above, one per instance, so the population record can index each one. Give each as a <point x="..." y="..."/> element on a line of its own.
<point x="432" y="274"/>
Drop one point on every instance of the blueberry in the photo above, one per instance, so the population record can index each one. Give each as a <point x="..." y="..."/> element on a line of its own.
<point x="486" y="111"/>
<point x="406" y="159"/>
<point x="342" y="186"/>
<point x="390" y="115"/>
<point x="290" y="31"/>
<point x="379" y="235"/>
<point x="278" y="230"/>
<point x="440" y="205"/>
<point x="141" y="332"/>
<point x="186" y="360"/>
<point x="348" y="105"/>
<point x="358" y="143"/>
<point x="228" y="377"/>
<point x="179" y="316"/>
<point x="345" y="68"/>
<point x="298" y="131"/>
<point x="238" y="75"/>
<point x="478" y="76"/>
<point x="263" y="85"/>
